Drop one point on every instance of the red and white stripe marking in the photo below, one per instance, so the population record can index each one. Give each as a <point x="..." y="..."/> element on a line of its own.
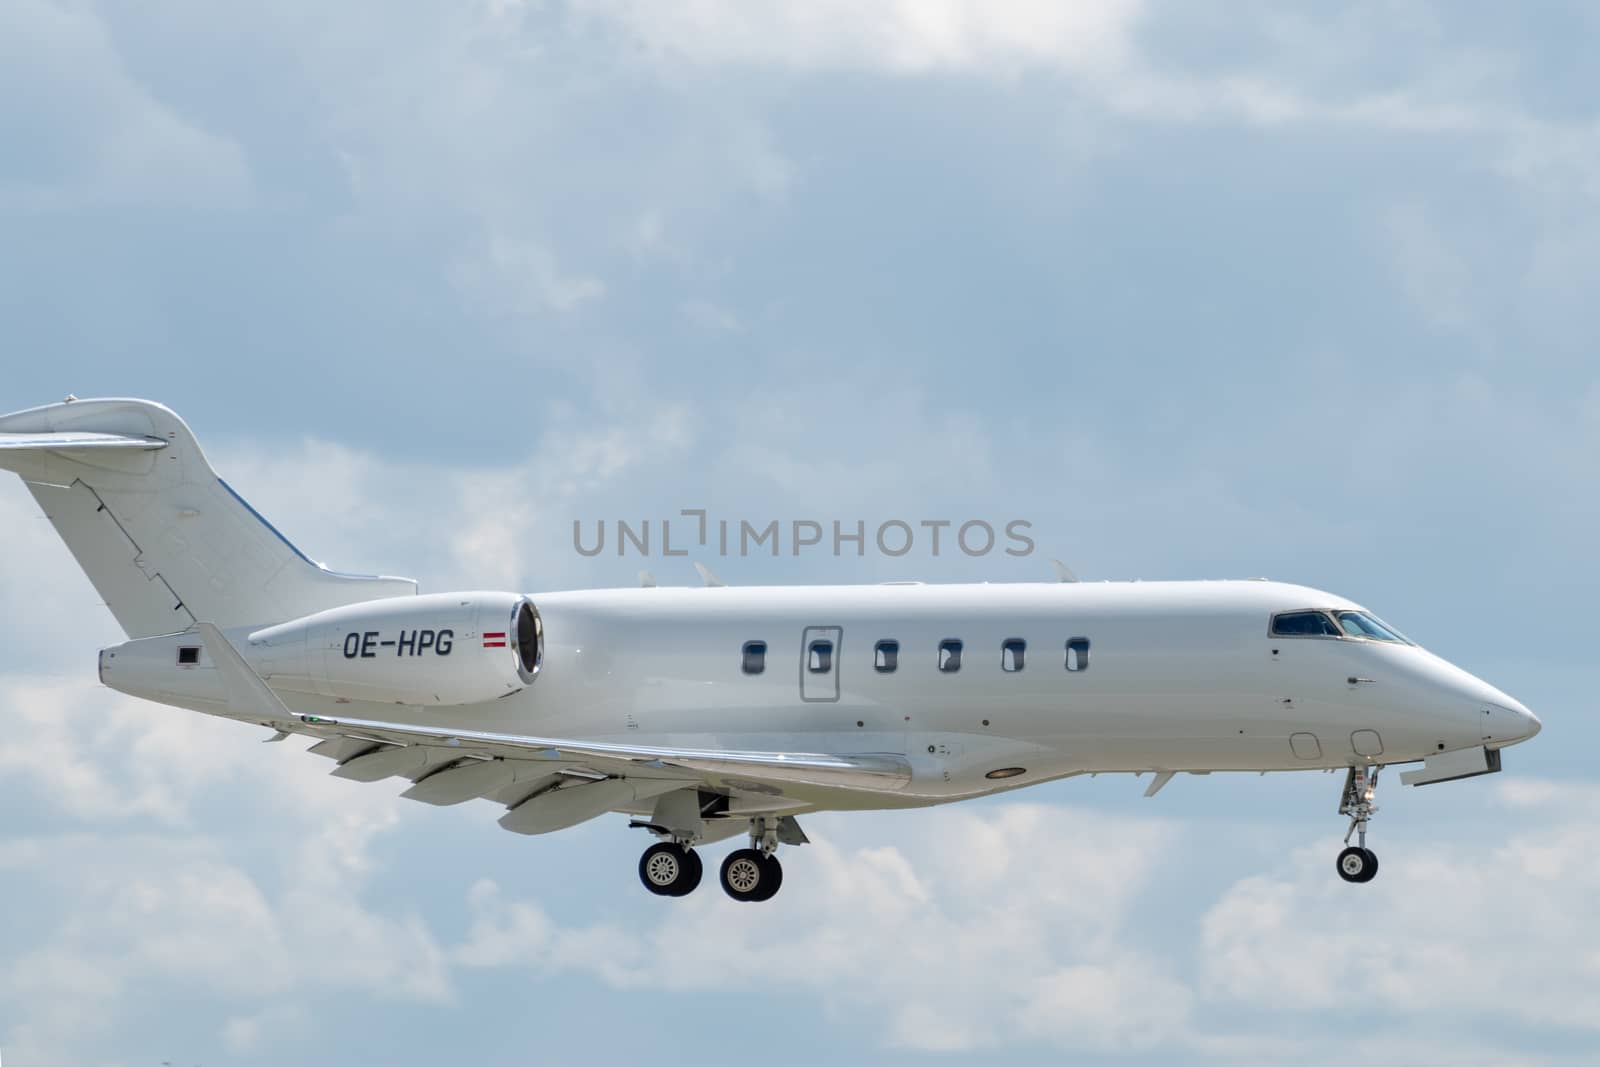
<point x="494" y="640"/>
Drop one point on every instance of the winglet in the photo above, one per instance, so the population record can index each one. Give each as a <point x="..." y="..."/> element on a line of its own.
<point x="647" y="580"/>
<point x="247" y="693"/>
<point x="707" y="576"/>
<point x="1063" y="572"/>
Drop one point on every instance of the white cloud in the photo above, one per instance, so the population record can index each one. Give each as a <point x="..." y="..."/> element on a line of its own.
<point x="522" y="277"/>
<point x="970" y="930"/>
<point x="1430" y="270"/>
<point x="280" y="1019"/>
<point x="35" y="561"/>
<point x="1495" y="929"/>
<point x="978" y="930"/>
<point x="81" y="130"/>
<point x="711" y="317"/>
<point x="1290" y="67"/>
<point x="102" y="756"/>
<point x="500" y="525"/>
<point x="1125" y="1004"/>
<point x="176" y="882"/>
<point x="900" y="36"/>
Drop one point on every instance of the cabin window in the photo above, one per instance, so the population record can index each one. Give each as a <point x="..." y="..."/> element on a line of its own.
<point x="950" y="656"/>
<point x="1304" y="624"/>
<point x="1012" y="651"/>
<point x="755" y="657"/>
<point x="819" y="657"/>
<point x="188" y="655"/>
<point x="886" y="656"/>
<point x="1078" y="654"/>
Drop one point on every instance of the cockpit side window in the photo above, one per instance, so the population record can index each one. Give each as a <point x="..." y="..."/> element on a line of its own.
<point x="1360" y="624"/>
<point x="1304" y="624"/>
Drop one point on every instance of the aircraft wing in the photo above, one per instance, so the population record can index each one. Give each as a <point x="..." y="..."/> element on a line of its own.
<point x="878" y="772"/>
<point x="369" y="749"/>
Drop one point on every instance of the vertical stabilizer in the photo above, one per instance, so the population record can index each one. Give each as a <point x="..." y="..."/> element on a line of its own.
<point x="164" y="540"/>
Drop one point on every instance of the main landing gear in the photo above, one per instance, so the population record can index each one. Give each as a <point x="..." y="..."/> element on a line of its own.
<point x="1359" y="863"/>
<point x="670" y="869"/>
<point x="673" y="869"/>
<point x="754" y="873"/>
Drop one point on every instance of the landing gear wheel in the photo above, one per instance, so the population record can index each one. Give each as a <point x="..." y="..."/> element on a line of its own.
<point x="771" y="878"/>
<point x="691" y="875"/>
<point x="670" y="870"/>
<point x="748" y="875"/>
<point x="1358" y="864"/>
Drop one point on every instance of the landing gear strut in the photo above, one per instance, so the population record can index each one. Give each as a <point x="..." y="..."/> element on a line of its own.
<point x="1359" y="863"/>
<point x="754" y="873"/>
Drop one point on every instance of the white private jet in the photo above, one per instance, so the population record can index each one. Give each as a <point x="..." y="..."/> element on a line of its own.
<point x="709" y="712"/>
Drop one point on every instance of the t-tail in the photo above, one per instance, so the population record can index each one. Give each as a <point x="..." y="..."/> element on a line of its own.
<point x="165" y="541"/>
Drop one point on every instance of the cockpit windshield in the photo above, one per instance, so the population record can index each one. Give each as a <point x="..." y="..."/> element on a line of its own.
<point x="1357" y="624"/>
<point x="1370" y="627"/>
<point x="1304" y="624"/>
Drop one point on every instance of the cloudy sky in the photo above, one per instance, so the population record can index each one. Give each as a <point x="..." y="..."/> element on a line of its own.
<point x="1198" y="291"/>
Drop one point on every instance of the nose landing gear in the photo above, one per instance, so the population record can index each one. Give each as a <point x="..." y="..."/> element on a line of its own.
<point x="1358" y="863"/>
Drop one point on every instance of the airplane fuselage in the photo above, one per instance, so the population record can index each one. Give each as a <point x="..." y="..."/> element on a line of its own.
<point x="1160" y="676"/>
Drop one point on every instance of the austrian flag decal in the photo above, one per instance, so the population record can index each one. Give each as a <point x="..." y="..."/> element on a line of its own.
<point x="494" y="640"/>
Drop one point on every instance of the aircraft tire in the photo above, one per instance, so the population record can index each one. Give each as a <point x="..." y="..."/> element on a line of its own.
<point x="771" y="879"/>
<point x="1372" y="871"/>
<point x="668" y="869"/>
<point x="745" y="874"/>
<point x="1358" y="864"/>
<point x="693" y="871"/>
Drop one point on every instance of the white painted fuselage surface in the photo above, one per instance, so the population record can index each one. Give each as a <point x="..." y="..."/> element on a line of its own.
<point x="1178" y="676"/>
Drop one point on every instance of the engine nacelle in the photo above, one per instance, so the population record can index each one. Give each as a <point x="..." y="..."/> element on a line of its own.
<point x="442" y="648"/>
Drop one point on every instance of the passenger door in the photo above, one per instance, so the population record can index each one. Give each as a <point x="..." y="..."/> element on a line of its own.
<point x="819" y="663"/>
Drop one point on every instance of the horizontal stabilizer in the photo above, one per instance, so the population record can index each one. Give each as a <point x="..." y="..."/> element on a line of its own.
<point x="73" y="441"/>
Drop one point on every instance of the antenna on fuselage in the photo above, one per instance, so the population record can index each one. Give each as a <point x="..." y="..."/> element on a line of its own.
<point x="707" y="576"/>
<point x="1063" y="572"/>
<point x="1158" y="783"/>
<point x="647" y="580"/>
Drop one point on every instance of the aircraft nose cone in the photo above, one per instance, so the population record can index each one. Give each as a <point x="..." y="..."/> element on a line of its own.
<point x="1504" y="725"/>
<point x="1531" y="724"/>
